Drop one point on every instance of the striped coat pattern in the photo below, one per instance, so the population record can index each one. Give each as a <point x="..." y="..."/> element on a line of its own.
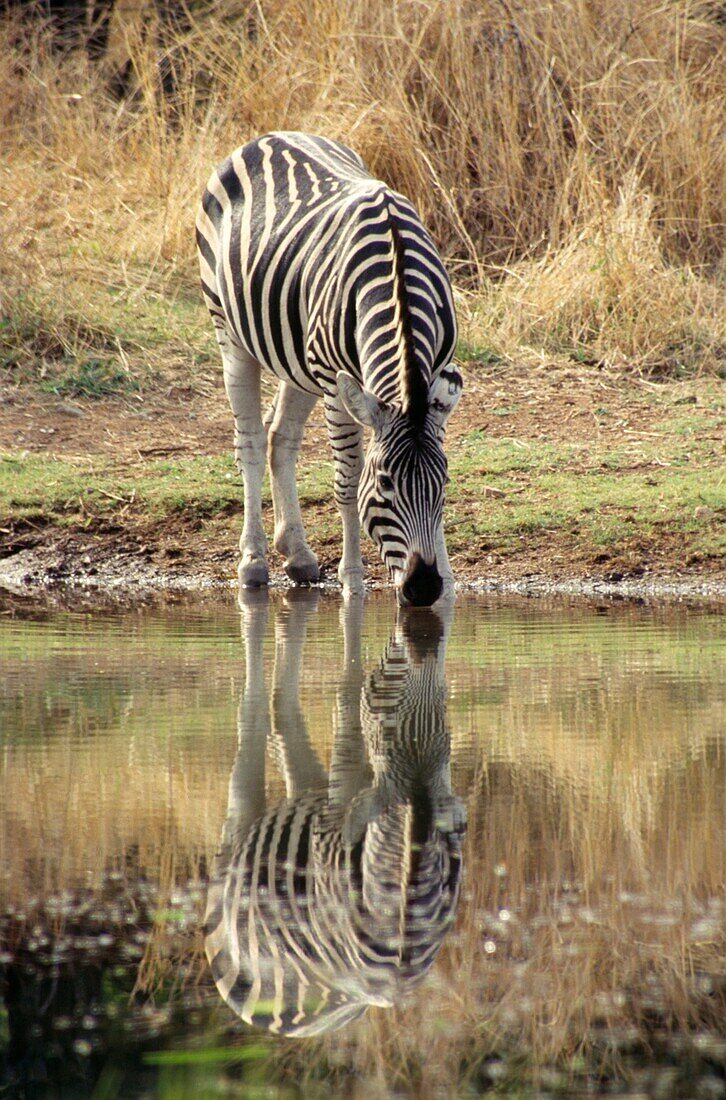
<point x="340" y="896"/>
<point x="320" y="274"/>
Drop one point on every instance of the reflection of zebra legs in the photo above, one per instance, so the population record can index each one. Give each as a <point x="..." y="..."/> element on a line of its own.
<point x="350" y="770"/>
<point x="339" y="897"/>
<point x="246" y="796"/>
<point x="297" y="759"/>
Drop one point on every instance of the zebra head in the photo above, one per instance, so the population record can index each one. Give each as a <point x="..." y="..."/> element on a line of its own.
<point x="401" y="490"/>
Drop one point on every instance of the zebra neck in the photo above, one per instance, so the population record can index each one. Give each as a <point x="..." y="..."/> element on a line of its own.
<point x="391" y="363"/>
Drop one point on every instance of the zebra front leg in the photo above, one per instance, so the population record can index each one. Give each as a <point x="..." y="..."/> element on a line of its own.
<point x="242" y="383"/>
<point x="346" y="440"/>
<point x="444" y="566"/>
<point x="290" y="411"/>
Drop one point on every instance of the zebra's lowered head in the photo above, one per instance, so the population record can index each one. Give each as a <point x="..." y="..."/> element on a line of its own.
<point x="401" y="490"/>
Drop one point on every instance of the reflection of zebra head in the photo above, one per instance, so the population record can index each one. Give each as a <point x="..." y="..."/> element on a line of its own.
<point x="340" y="896"/>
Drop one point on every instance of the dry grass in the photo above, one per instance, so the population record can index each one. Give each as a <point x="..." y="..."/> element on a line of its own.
<point x="567" y="156"/>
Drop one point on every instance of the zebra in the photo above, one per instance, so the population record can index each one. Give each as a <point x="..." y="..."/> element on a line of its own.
<point x="319" y="273"/>
<point x="340" y="896"/>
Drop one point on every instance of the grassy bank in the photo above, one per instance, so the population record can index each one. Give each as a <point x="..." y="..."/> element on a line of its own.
<point x="567" y="158"/>
<point x="632" y="483"/>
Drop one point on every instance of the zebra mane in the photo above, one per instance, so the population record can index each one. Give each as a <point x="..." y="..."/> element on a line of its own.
<point x="413" y="388"/>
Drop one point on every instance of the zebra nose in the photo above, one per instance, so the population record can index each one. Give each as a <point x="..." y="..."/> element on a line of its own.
<point x="422" y="584"/>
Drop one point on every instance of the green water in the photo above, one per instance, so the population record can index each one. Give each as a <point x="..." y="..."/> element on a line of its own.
<point x="531" y="797"/>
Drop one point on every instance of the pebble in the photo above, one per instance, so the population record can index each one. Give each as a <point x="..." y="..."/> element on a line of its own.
<point x="66" y="409"/>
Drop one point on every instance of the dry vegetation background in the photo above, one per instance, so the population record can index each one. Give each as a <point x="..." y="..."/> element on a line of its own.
<point x="568" y="157"/>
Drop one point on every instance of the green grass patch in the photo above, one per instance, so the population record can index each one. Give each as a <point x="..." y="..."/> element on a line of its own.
<point x="471" y="352"/>
<point x="132" y="338"/>
<point x="91" y="378"/>
<point x="599" y="497"/>
<point x="68" y="491"/>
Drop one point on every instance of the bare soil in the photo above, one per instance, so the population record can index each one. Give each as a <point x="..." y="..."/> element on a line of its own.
<point x="549" y="404"/>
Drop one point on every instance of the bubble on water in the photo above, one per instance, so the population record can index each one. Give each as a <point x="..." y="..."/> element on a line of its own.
<point x="609" y="1000"/>
<point x="663" y="920"/>
<point x="568" y="951"/>
<point x="496" y="1070"/>
<point x="490" y="947"/>
<point x="500" y="870"/>
<point x="705" y="929"/>
<point x="84" y="943"/>
<point x="710" y="1044"/>
<point x="505" y="915"/>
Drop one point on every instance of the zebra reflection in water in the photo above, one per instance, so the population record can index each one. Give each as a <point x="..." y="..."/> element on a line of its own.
<point x="340" y="896"/>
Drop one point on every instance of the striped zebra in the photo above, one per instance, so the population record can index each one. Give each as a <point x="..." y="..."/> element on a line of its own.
<point x="340" y="896"/>
<point x="315" y="271"/>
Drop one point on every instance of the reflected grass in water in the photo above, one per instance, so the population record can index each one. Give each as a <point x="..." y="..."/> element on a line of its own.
<point x="588" y="746"/>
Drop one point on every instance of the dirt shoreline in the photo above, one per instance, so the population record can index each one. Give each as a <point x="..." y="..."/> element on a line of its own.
<point x="127" y="579"/>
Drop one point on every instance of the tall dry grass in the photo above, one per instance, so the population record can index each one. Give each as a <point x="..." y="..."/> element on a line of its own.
<point x="568" y="156"/>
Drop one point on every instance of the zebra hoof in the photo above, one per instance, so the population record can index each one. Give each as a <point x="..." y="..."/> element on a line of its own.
<point x="448" y="593"/>
<point x="303" y="568"/>
<point x="354" y="588"/>
<point x="252" y="574"/>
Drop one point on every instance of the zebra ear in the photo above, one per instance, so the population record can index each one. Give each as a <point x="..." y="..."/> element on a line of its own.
<point x="444" y="397"/>
<point x="362" y="405"/>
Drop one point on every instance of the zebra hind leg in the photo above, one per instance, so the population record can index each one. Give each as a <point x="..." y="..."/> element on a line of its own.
<point x="242" y="383"/>
<point x="290" y="411"/>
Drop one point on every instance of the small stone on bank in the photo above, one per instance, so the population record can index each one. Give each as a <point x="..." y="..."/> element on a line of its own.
<point x="66" y="409"/>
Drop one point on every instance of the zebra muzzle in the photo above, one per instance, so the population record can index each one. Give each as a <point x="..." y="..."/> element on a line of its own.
<point x="422" y="585"/>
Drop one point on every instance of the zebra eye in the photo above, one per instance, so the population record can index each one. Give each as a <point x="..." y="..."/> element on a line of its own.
<point x="385" y="484"/>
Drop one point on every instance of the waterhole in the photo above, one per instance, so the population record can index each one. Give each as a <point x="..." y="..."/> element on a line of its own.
<point x="288" y="847"/>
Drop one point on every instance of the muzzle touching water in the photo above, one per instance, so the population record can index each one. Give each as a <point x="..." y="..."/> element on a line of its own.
<point x="421" y="584"/>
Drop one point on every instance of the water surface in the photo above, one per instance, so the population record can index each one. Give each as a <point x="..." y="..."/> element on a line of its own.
<point x="285" y="846"/>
